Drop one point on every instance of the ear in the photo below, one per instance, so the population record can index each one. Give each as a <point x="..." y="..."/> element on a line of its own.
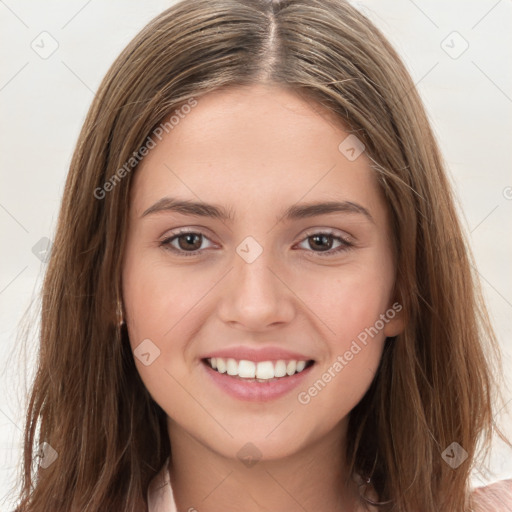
<point x="395" y="324"/>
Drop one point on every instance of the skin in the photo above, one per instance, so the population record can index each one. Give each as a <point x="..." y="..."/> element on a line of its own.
<point x="256" y="150"/>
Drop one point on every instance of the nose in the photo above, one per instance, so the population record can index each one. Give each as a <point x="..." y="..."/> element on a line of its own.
<point x="255" y="295"/>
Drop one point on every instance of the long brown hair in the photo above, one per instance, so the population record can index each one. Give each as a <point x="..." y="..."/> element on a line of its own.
<point x="436" y="382"/>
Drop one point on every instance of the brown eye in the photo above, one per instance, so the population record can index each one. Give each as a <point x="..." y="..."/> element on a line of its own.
<point x="189" y="241"/>
<point x="186" y="243"/>
<point x="322" y="244"/>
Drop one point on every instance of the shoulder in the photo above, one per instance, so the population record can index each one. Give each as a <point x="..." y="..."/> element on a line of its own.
<point x="496" y="497"/>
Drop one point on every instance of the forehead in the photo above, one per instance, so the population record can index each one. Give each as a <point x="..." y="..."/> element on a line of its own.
<point x="254" y="147"/>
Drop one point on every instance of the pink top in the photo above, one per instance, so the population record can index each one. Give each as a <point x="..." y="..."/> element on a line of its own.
<point x="160" y="496"/>
<point x="496" y="497"/>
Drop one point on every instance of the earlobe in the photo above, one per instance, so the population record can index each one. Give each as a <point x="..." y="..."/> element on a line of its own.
<point x="394" y="328"/>
<point x="395" y="324"/>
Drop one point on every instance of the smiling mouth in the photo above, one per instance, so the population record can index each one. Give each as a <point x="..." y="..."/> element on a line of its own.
<point x="261" y="371"/>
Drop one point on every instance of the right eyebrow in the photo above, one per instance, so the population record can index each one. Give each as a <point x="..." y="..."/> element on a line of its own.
<point x="195" y="208"/>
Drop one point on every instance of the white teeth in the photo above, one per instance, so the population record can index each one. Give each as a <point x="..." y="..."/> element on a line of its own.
<point x="280" y="369"/>
<point x="246" y="369"/>
<point x="221" y="365"/>
<point x="232" y="367"/>
<point x="262" y="370"/>
<point x="291" y="367"/>
<point x="301" y="365"/>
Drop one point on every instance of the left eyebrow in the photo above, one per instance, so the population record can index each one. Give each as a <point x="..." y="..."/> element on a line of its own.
<point x="306" y="210"/>
<point x="294" y="212"/>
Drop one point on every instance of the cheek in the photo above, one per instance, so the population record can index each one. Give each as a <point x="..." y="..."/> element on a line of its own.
<point x="162" y="307"/>
<point x="157" y="301"/>
<point x="352" y="311"/>
<point x="353" y="346"/>
<point x="158" y="298"/>
<point x="351" y="302"/>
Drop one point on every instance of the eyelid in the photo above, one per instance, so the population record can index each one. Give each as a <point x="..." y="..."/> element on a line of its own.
<point x="329" y="231"/>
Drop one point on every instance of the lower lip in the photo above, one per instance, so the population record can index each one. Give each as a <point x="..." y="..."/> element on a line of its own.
<point x="256" y="391"/>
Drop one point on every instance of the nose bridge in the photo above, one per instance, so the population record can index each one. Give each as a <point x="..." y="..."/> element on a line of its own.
<point x="256" y="296"/>
<point x="253" y="274"/>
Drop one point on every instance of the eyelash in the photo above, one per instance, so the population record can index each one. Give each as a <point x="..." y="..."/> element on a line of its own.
<point x="345" y="244"/>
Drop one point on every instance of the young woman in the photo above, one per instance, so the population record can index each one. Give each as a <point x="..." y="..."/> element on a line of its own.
<point x="259" y="296"/>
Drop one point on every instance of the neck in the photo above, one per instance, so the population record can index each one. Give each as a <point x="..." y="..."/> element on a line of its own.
<point x="311" y="478"/>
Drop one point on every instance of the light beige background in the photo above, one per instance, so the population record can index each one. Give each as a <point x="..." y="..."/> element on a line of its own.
<point x="468" y="95"/>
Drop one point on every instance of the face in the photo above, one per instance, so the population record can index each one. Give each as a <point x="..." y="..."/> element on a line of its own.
<point x="260" y="278"/>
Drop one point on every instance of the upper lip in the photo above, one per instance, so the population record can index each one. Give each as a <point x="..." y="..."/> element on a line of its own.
<point x="257" y="355"/>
